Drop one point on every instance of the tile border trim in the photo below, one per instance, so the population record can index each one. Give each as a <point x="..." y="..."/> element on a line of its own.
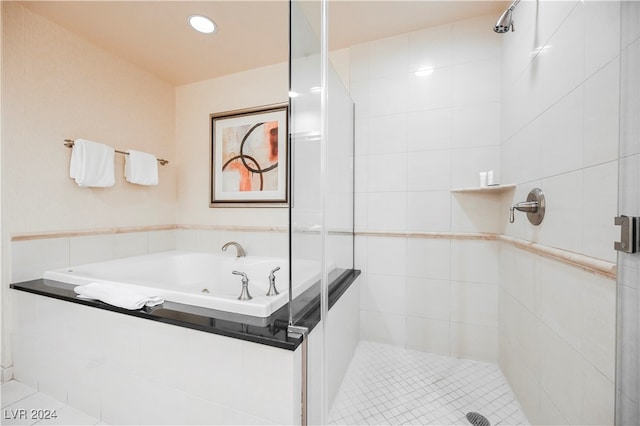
<point x="133" y="229"/>
<point x="590" y="264"/>
<point x="233" y="228"/>
<point x="90" y="232"/>
<point x="430" y="235"/>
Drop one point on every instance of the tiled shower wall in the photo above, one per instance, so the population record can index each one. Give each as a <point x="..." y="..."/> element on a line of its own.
<point x="417" y="137"/>
<point x="540" y="107"/>
<point x="560" y="104"/>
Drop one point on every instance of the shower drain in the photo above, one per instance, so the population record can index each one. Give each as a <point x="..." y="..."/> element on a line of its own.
<point x="477" y="419"/>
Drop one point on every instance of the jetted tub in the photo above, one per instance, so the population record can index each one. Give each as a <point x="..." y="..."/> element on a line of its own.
<point x="198" y="279"/>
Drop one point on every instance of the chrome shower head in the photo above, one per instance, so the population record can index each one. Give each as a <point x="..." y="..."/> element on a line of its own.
<point x="505" y="23"/>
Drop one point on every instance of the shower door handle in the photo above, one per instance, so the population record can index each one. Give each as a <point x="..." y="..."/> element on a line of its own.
<point x="629" y="234"/>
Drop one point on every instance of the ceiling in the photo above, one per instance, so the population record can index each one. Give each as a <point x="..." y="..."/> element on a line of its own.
<point x="155" y="36"/>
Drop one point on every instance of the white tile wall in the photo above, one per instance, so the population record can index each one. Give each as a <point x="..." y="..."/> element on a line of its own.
<point x="409" y="124"/>
<point x="31" y="258"/>
<point x="429" y="211"/>
<point x="424" y="298"/>
<point x="416" y="138"/>
<point x="435" y="295"/>
<point x="130" y="244"/>
<point x="162" y="241"/>
<point x="127" y="370"/>
<point x="474" y="303"/>
<point x="91" y="248"/>
<point x="573" y="127"/>
<point x="471" y="341"/>
<point x="560" y="128"/>
<point x="544" y="115"/>
<point x="472" y="212"/>
<point x="600" y="182"/>
<point x="342" y="337"/>
<point x="427" y="130"/>
<point x="562" y="135"/>
<point x="601" y="115"/>
<point x="429" y="335"/>
<point x="557" y="339"/>
<point x="428" y="258"/>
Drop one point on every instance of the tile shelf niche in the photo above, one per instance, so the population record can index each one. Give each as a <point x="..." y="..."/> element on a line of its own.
<point x="486" y="189"/>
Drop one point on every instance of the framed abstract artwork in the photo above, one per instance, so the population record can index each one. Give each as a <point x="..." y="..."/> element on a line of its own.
<point x="249" y="157"/>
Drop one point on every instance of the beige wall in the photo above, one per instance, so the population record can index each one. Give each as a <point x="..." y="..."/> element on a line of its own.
<point x="56" y="85"/>
<point x="194" y="103"/>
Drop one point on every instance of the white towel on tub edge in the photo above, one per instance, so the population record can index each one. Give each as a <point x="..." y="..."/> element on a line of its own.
<point x="117" y="296"/>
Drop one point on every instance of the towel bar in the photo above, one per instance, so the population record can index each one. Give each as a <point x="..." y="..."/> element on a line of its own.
<point x="69" y="144"/>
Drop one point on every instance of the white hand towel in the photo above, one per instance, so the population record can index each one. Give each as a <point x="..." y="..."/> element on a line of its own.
<point x="141" y="168"/>
<point x="116" y="296"/>
<point x="92" y="164"/>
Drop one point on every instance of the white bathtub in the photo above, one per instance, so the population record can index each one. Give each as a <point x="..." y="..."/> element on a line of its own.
<point x="199" y="279"/>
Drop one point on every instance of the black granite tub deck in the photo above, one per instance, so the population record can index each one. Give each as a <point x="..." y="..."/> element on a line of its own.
<point x="270" y="331"/>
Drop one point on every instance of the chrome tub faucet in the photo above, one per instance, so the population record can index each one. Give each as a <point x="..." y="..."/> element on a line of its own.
<point x="239" y="249"/>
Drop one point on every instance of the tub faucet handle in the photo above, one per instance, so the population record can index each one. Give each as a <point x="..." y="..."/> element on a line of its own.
<point x="272" y="283"/>
<point x="244" y="295"/>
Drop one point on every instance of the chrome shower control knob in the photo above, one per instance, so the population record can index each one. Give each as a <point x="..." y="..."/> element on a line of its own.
<point x="534" y="207"/>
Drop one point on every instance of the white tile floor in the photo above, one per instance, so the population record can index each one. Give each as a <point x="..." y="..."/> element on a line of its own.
<point x="22" y="405"/>
<point x="388" y="385"/>
<point x="383" y="385"/>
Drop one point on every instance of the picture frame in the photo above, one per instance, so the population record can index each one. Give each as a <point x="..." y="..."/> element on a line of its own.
<point x="249" y="166"/>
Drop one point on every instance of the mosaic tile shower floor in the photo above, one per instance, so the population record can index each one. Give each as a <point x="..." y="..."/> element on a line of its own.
<point x="389" y="385"/>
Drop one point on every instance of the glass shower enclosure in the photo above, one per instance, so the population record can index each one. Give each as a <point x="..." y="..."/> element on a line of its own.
<point x="321" y="184"/>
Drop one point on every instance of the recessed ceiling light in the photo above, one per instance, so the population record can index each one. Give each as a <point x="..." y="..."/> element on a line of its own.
<point x="202" y="24"/>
